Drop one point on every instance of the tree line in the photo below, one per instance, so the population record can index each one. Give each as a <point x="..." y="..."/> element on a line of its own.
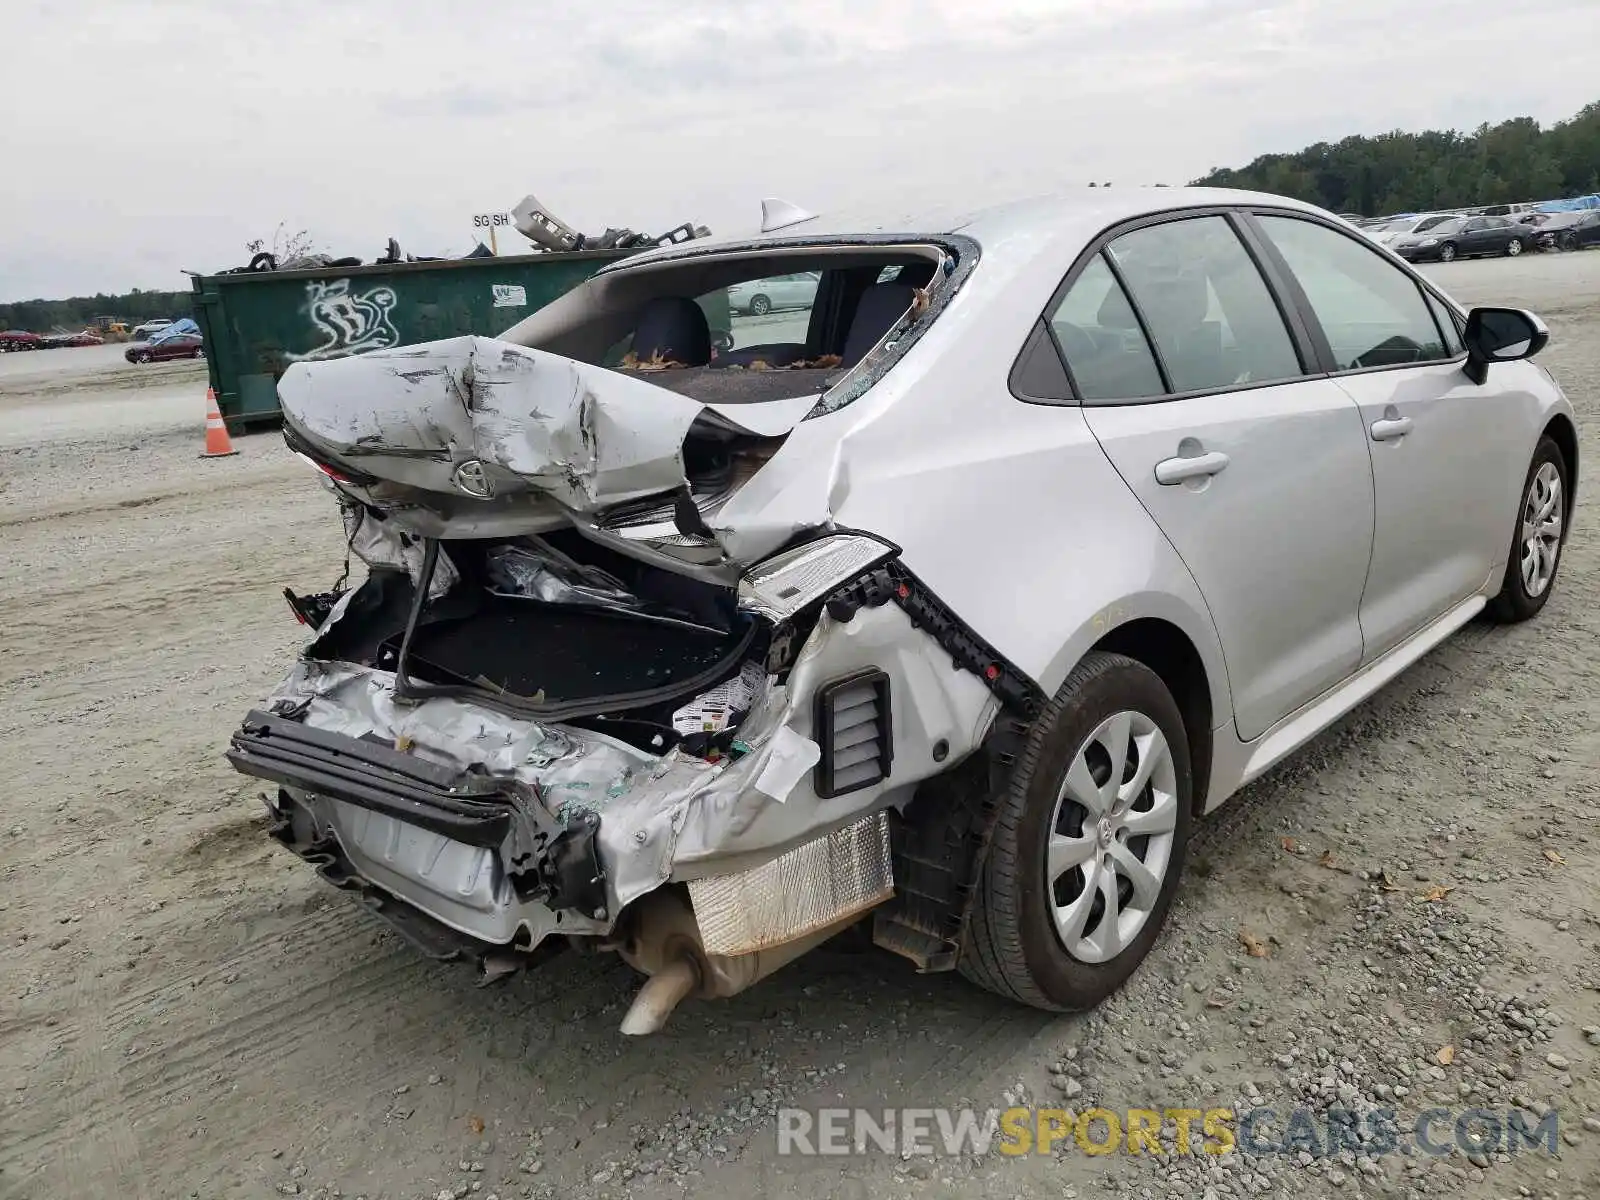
<point x="1397" y="172"/>
<point x="80" y="312"/>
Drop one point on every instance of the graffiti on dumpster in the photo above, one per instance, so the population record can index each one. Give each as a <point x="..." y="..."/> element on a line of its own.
<point x="349" y="322"/>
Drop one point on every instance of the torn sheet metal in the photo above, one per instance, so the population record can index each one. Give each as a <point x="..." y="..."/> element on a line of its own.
<point x="675" y="815"/>
<point x="485" y="419"/>
<point x="644" y="801"/>
<point x="378" y="543"/>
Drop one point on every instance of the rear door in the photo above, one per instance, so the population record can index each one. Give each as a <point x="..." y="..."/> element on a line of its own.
<point x="1256" y="473"/>
<point x="1442" y="448"/>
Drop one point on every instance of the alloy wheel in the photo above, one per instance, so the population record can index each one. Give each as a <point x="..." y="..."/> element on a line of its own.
<point x="1111" y="836"/>
<point x="1447" y="254"/>
<point x="1541" y="530"/>
<point x="1514" y="249"/>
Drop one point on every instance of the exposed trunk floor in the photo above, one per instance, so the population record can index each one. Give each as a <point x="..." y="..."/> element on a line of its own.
<point x="525" y="649"/>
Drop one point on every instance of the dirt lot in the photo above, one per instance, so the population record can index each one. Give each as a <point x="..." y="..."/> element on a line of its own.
<point x="187" y="1011"/>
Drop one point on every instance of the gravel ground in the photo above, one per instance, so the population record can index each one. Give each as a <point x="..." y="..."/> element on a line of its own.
<point x="186" y="1011"/>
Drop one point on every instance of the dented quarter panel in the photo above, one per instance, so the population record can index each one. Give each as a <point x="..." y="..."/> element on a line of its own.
<point x="931" y="700"/>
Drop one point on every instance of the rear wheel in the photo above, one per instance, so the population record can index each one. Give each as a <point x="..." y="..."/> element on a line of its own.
<point x="1541" y="532"/>
<point x="1089" y="845"/>
<point x="199" y="352"/>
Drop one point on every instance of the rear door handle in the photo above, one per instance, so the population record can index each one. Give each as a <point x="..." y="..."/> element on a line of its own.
<point x="1390" y="428"/>
<point x="1170" y="471"/>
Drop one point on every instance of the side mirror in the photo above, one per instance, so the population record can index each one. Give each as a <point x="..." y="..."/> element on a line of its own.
<point x="1501" y="335"/>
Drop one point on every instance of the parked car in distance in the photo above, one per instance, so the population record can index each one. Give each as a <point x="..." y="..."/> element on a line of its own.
<point x="780" y="651"/>
<point x="760" y="296"/>
<point x="146" y="331"/>
<point x="1569" y="231"/>
<point x="180" y="345"/>
<point x="1465" y="237"/>
<point x="19" y="339"/>
<point x="1389" y="232"/>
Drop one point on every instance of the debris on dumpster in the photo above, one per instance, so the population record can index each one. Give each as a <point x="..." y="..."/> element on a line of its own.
<point x="534" y="221"/>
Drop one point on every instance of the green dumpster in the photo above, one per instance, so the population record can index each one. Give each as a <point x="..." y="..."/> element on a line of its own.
<point x="256" y="323"/>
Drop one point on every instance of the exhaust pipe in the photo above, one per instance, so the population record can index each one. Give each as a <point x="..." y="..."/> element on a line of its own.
<point x="660" y="994"/>
<point x="665" y="945"/>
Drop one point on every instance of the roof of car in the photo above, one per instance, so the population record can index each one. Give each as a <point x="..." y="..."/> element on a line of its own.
<point x="1038" y="217"/>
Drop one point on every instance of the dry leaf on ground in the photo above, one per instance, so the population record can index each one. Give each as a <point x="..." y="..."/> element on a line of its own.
<point x="1253" y="945"/>
<point x="1438" y="892"/>
<point x="1446" y="1056"/>
<point x="1554" y="856"/>
<point x="1326" y="859"/>
<point x="1289" y="844"/>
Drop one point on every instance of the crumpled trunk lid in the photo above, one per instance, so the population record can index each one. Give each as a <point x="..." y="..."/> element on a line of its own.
<point x="473" y="419"/>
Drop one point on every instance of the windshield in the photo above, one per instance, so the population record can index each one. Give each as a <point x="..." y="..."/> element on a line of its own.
<point x="1445" y="225"/>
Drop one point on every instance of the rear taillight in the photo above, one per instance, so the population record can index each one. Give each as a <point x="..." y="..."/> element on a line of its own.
<point x="323" y="467"/>
<point x="855" y="733"/>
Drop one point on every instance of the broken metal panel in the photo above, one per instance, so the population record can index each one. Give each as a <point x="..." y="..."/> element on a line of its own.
<point x="482" y="417"/>
<point x="676" y="814"/>
<point x="485" y="419"/>
<point x="380" y="543"/>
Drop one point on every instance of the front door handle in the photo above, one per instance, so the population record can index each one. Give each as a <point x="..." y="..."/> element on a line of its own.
<point x="1390" y="428"/>
<point x="1171" y="471"/>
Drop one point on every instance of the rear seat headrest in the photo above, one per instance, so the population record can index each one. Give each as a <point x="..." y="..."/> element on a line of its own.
<point x="673" y="328"/>
<point x="880" y="306"/>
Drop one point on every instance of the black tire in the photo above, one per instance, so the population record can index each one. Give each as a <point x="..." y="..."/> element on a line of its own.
<point x="1513" y="603"/>
<point x="760" y="305"/>
<point x="1012" y="946"/>
<point x="1447" y="252"/>
<point x="144" y="358"/>
<point x="1514" y="247"/>
<point x="199" y="352"/>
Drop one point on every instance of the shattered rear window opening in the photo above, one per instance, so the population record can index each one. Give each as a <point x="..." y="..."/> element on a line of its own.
<point x="772" y="320"/>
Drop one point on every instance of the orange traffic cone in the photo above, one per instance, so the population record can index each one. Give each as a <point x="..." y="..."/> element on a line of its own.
<point x="217" y="443"/>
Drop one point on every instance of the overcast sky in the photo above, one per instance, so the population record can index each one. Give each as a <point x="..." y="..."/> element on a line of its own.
<point x="138" y="139"/>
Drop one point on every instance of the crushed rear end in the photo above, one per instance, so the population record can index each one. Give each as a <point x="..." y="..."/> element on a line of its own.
<point x="577" y="698"/>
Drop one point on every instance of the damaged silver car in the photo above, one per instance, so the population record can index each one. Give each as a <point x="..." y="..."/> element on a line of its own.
<point x="947" y="604"/>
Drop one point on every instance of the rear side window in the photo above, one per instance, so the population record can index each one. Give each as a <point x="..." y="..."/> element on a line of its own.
<point x="1372" y="313"/>
<point x="1100" y="338"/>
<point x="1209" y="311"/>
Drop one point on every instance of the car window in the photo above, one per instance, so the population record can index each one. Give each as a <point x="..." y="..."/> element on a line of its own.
<point x="1213" y="321"/>
<point x="1100" y="339"/>
<point x="1446" y="321"/>
<point x="775" y="309"/>
<point x="1371" y="311"/>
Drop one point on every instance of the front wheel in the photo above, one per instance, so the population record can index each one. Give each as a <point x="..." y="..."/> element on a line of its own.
<point x="1514" y="248"/>
<point x="1447" y="253"/>
<point x="1089" y="844"/>
<point x="143" y="358"/>
<point x="1541" y="532"/>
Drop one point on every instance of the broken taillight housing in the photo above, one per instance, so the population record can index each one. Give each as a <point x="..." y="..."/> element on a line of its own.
<point x="323" y="467"/>
<point x="788" y="582"/>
